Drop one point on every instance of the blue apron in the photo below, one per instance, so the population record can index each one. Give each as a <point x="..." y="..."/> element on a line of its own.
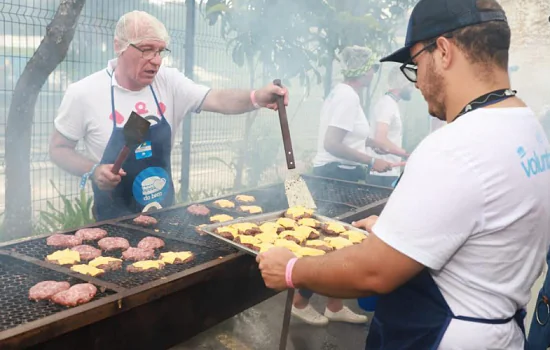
<point x="148" y="181"/>
<point x="416" y="315"/>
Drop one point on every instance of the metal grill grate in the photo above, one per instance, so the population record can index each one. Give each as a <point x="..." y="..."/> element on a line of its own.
<point x="38" y="249"/>
<point x="180" y="224"/>
<point x="16" y="278"/>
<point x="356" y="195"/>
<point x="332" y="210"/>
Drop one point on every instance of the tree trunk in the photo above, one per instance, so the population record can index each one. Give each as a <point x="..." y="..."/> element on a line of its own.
<point x="52" y="50"/>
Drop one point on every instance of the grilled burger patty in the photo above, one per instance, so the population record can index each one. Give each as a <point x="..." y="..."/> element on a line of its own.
<point x="138" y="254"/>
<point x="113" y="243"/>
<point x="87" y="252"/>
<point x="144" y="220"/>
<point x="66" y="241"/>
<point x="46" y="289"/>
<point x="90" y="234"/>
<point x="198" y="209"/>
<point x="151" y="243"/>
<point x="75" y="295"/>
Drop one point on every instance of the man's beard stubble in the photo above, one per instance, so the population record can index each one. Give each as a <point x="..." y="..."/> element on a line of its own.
<point x="434" y="93"/>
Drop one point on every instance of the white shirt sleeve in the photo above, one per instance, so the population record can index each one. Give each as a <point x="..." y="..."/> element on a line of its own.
<point x="188" y="95"/>
<point x="344" y="111"/>
<point x="71" y="116"/>
<point x="383" y="112"/>
<point x="435" y="208"/>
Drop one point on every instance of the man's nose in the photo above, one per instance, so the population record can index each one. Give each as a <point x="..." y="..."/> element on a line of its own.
<point x="156" y="60"/>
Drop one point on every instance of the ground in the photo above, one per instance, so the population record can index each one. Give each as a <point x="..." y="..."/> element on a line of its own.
<point x="260" y="327"/>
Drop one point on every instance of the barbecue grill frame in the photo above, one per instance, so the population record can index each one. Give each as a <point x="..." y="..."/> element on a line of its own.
<point x="75" y="321"/>
<point x="83" y="324"/>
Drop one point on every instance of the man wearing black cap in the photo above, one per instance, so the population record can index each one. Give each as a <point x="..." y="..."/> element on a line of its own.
<point x="464" y="234"/>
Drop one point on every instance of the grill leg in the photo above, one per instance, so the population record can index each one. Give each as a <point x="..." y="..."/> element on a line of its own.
<point x="286" y="319"/>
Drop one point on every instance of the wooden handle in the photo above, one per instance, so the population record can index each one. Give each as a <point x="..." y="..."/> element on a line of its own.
<point x="283" y="119"/>
<point x="120" y="159"/>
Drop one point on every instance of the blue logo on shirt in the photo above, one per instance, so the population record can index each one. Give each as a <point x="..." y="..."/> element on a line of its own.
<point x="535" y="164"/>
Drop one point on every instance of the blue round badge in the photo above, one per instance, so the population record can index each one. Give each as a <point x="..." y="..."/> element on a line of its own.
<point x="151" y="185"/>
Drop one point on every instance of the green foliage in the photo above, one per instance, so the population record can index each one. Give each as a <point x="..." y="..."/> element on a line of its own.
<point x="294" y="38"/>
<point x="71" y="215"/>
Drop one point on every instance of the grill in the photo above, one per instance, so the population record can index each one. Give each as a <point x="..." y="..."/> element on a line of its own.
<point x="171" y="292"/>
<point x="39" y="250"/>
<point x="178" y="223"/>
<point x="16" y="278"/>
<point x="352" y="194"/>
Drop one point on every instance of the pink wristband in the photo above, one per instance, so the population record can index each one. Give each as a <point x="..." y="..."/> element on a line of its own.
<point x="288" y="273"/>
<point x="253" y="99"/>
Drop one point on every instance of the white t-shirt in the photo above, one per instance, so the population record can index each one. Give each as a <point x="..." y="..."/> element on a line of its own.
<point x="473" y="206"/>
<point x="85" y="112"/>
<point x="386" y="111"/>
<point x="342" y="109"/>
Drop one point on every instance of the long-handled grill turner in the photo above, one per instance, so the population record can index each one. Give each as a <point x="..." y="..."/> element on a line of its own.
<point x="297" y="194"/>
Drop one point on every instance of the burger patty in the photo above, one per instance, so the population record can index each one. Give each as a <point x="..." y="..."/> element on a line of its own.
<point x="75" y="295"/>
<point x="138" y="254"/>
<point x="113" y="243"/>
<point x="151" y="243"/>
<point x="67" y="241"/>
<point x="144" y="220"/>
<point x="91" y="234"/>
<point x="87" y="252"/>
<point x="198" y="209"/>
<point x="46" y="289"/>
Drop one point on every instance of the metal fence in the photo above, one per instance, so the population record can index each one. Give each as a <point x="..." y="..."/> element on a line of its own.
<point x="215" y="139"/>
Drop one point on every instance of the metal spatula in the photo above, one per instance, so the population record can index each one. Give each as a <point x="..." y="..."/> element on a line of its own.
<point x="134" y="132"/>
<point x="297" y="195"/>
<point x="297" y="192"/>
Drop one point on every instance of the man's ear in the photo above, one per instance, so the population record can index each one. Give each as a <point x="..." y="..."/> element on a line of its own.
<point x="445" y="52"/>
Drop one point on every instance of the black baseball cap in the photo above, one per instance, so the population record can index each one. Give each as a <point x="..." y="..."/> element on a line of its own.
<point x="432" y="18"/>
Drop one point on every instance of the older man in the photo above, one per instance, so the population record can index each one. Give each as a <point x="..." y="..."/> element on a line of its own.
<point x="96" y="108"/>
<point x="464" y="235"/>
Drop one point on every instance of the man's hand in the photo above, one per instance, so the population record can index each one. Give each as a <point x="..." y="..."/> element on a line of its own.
<point x="267" y="96"/>
<point x="366" y="224"/>
<point x="273" y="266"/>
<point x="105" y="179"/>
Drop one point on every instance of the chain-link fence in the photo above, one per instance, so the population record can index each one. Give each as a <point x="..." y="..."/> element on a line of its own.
<point x="216" y="140"/>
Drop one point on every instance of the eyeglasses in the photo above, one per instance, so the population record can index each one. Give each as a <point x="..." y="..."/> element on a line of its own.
<point x="150" y="54"/>
<point x="410" y="69"/>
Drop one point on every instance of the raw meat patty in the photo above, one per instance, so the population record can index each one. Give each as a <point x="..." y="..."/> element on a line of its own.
<point x="59" y="240"/>
<point x="46" y="289"/>
<point x="151" y="243"/>
<point x="198" y="209"/>
<point x="87" y="252"/>
<point x="144" y="220"/>
<point x="113" y="243"/>
<point x="138" y="254"/>
<point x="91" y="234"/>
<point x="76" y="295"/>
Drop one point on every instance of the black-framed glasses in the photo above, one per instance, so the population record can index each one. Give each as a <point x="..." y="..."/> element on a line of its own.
<point x="149" y="54"/>
<point x="410" y="69"/>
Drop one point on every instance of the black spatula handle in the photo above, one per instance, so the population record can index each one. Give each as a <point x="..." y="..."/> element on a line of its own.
<point x="283" y="119"/>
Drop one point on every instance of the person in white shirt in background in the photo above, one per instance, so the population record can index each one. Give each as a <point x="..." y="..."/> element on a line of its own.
<point x="343" y="133"/>
<point x="387" y="127"/>
<point x="344" y="129"/>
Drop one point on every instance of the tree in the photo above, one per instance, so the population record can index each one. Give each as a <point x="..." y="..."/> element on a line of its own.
<point x="51" y="51"/>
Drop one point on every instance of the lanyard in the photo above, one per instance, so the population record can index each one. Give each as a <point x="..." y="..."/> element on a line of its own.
<point x="486" y="100"/>
<point x="482" y="101"/>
